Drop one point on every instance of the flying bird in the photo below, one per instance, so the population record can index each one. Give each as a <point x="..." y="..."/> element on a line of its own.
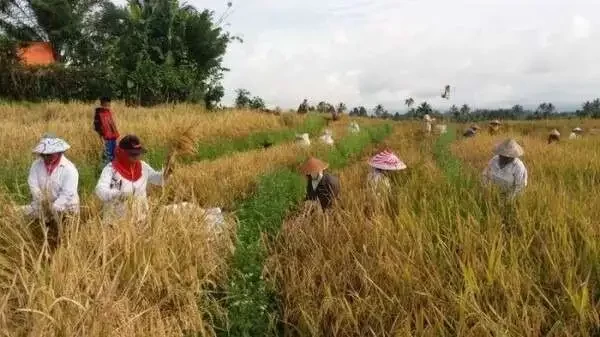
<point x="446" y="93"/>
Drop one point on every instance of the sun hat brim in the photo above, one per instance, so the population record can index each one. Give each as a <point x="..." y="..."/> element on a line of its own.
<point x="313" y="165"/>
<point x="50" y="146"/>
<point x="387" y="161"/>
<point x="509" y="148"/>
<point x="135" y="152"/>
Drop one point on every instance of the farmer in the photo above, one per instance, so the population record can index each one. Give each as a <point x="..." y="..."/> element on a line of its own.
<point x="53" y="181"/>
<point x="125" y="179"/>
<point x="303" y="108"/>
<point x="494" y="127"/>
<point x="106" y="128"/>
<point x="576" y="133"/>
<point x="303" y="139"/>
<point x="554" y="136"/>
<point x="506" y="170"/>
<point x="471" y="131"/>
<point x="327" y="138"/>
<point x="382" y="165"/>
<point x="427" y="123"/>
<point x="320" y="186"/>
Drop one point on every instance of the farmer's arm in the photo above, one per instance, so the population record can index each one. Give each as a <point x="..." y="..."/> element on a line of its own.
<point x="68" y="190"/>
<point x="32" y="181"/>
<point x="154" y="177"/>
<point x="104" y="190"/>
<point x="520" y="179"/>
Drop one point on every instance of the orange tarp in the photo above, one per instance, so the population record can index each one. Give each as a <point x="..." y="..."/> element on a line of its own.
<point x="36" y="54"/>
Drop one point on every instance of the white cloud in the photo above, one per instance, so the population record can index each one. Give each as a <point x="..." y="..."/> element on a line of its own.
<point x="581" y="27"/>
<point x="493" y="52"/>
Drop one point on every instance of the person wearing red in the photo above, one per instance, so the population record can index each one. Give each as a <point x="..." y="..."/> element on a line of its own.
<point x="123" y="182"/>
<point x="106" y="128"/>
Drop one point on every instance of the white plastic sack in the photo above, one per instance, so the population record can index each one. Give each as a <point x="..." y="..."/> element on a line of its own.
<point x="213" y="216"/>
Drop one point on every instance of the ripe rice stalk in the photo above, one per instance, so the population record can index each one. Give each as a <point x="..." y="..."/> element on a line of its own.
<point x="182" y="143"/>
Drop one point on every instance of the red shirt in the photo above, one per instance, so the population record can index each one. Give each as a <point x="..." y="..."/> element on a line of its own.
<point x="105" y="125"/>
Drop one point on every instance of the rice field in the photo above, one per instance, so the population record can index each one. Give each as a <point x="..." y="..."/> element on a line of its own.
<point x="440" y="256"/>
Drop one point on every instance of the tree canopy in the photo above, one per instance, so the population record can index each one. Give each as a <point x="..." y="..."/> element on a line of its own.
<point x="150" y="51"/>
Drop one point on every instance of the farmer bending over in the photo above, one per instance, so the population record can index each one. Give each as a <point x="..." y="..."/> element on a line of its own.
<point x="506" y="170"/>
<point x="320" y="186"/>
<point x="383" y="165"/>
<point x="126" y="179"/>
<point x="554" y="137"/>
<point x="53" y="181"/>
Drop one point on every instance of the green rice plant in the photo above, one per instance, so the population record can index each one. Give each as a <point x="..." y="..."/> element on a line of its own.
<point x="224" y="146"/>
<point x="253" y="308"/>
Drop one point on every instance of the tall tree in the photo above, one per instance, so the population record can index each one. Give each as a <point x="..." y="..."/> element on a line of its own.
<point x="242" y="99"/>
<point x="362" y="111"/>
<point x="423" y="109"/>
<point x="544" y="110"/>
<point x="341" y="108"/>
<point x="60" y="22"/>
<point x="454" y="112"/>
<point x="379" y="110"/>
<point x="257" y="103"/>
<point x="170" y="49"/>
<point x="409" y="102"/>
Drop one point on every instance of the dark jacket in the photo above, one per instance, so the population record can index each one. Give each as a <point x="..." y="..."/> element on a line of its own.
<point x="326" y="192"/>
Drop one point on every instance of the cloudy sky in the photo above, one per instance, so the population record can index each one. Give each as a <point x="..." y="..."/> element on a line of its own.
<point x="494" y="53"/>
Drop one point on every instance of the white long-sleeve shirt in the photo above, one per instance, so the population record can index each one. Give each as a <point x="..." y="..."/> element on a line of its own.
<point x="379" y="184"/>
<point x="58" y="188"/>
<point x="115" y="191"/>
<point x="512" y="178"/>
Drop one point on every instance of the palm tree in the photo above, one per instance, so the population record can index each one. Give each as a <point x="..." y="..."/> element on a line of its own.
<point x="409" y="102"/>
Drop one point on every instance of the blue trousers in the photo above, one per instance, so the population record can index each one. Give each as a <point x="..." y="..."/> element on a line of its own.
<point x="109" y="150"/>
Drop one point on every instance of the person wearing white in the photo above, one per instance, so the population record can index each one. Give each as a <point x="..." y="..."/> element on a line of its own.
<point x="506" y="170"/>
<point x="381" y="164"/>
<point x="428" y="120"/>
<point x="327" y="138"/>
<point x="126" y="179"/>
<point x="441" y="128"/>
<point x="354" y="128"/>
<point x="576" y="133"/>
<point x="53" y="179"/>
<point x="303" y="139"/>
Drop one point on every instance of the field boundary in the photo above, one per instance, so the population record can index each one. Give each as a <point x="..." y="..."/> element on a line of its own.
<point x="251" y="303"/>
<point x="451" y="166"/>
<point x="312" y="125"/>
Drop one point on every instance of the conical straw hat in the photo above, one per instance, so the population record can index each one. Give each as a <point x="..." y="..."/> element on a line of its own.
<point x="555" y="133"/>
<point x="509" y="148"/>
<point x="495" y="122"/>
<point x="475" y="127"/>
<point x="577" y="129"/>
<point x="313" y="165"/>
<point x="50" y="144"/>
<point x="388" y="161"/>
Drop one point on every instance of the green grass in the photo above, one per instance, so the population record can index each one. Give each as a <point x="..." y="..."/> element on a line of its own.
<point x="252" y="304"/>
<point x="225" y="146"/>
<point x="450" y="165"/>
